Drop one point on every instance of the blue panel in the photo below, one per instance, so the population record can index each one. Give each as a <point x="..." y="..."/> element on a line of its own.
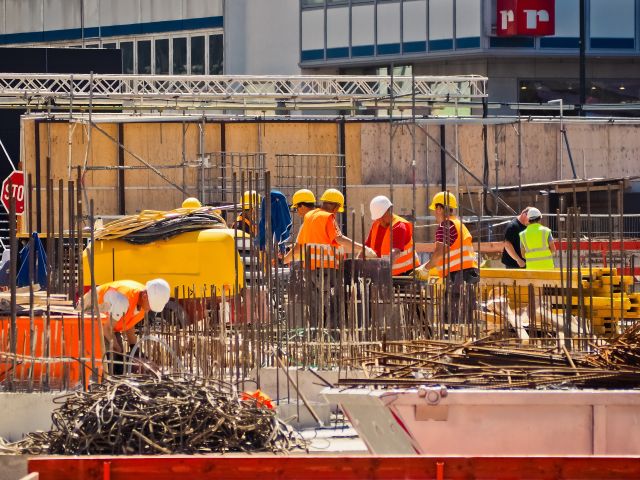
<point x="362" y="51"/>
<point x="446" y="44"/>
<point x="612" y="43"/>
<point x="338" y="52"/>
<point x="468" y="42"/>
<point x="389" y="49"/>
<point x="113" y="30"/>
<point x="560" y="42"/>
<point x="511" y="42"/>
<point x="413" y="47"/>
<point x="308" y="55"/>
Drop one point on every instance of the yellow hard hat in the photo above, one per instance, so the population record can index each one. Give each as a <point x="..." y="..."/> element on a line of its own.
<point x="334" y="196"/>
<point x="444" y="198"/>
<point x="191" y="202"/>
<point x="250" y="199"/>
<point x="303" y="196"/>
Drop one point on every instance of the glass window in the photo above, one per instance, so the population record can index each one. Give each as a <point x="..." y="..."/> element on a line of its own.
<point x="179" y="56"/>
<point x="109" y="45"/>
<point x="336" y="2"/>
<point x="127" y="57"/>
<point x="312" y="3"/>
<point x="144" y="56"/>
<point x="162" y="56"/>
<point x="91" y="45"/>
<point x="215" y="54"/>
<point x="197" y="55"/>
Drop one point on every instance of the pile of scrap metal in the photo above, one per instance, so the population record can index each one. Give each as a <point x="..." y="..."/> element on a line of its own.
<point x="496" y="364"/>
<point x="160" y="415"/>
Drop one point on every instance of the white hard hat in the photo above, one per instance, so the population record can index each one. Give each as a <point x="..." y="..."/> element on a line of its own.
<point x="379" y="206"/>
<point x="533" y="213"/>
<point x="115" y="303"/>
<point x="158" y="293"/>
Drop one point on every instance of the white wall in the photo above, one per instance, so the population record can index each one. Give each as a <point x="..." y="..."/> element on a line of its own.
<point x="262" y="37"/>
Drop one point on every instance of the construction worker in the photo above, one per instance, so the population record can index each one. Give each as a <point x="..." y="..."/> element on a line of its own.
<point x="247" y="220"/>
<point x="127" y="302"/>
<point x="454" y="257"/>
<point x="321" y="234"/>
<point x="320" y="246"/>
<point x="302" y="202"/>
<point x="384" y="221"/>
<point x="537" y="243"/>
<point x="511" y="253"/>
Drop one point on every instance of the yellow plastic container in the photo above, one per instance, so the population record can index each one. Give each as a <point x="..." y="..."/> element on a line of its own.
<point x="205" y="257"/>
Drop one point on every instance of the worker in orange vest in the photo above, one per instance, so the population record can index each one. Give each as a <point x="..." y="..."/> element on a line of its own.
<point x="321" y="237"/>
<point x="247" y="219"/>
<point x="127" y="302"/>
<point x="320" y="246"/>
<point x="379" y="239"/>
<point x="454" y="257"/>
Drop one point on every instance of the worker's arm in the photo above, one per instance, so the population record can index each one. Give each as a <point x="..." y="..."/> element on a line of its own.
<point x="348" y="245"/>
<point x="436" y="257"/>
<point x="132" y="338"/>
<point x="293" y="254"/>
<point x="512" y="253"/>
<point x="552" y="245"/>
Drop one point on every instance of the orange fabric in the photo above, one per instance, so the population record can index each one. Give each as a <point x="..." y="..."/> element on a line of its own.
<point x="262" y="399"/>
<point x="131" y="290"/>
<point x="402" y="262"/>
<point x="317" y="237"/>
<point x="461" y="254"/>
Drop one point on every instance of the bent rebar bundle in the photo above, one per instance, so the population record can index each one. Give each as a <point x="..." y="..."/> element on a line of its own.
<point x="149" y="415"/>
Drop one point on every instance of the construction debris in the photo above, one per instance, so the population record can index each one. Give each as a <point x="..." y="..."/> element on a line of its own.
<point x="150" y="415"/>
<point x="491" y="364"/>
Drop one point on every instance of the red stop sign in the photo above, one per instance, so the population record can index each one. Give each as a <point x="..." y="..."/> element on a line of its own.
<point x="13" y="186"/>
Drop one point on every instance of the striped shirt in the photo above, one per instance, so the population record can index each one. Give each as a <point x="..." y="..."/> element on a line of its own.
<point x="442" y="236"/>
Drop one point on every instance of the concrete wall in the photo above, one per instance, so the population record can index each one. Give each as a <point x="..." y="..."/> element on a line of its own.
<point x="262" y="38"/>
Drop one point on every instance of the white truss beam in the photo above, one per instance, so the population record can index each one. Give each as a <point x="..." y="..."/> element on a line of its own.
<point x="36" y="90"/>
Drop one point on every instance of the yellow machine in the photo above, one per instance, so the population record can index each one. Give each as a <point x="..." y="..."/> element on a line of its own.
<point x="192" y="259"/>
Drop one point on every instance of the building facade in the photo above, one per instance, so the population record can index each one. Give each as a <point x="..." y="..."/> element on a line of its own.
<point x="449" y="37"/>
<point x="156" y="36"/>
<point x="289" y="37"/>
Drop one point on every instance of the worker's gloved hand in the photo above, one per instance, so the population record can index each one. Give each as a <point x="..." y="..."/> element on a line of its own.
<point x="422" y="273"/>
<point x="370" y="252"/>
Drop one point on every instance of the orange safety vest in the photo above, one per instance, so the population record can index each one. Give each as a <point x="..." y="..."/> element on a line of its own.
<point x="130" y="289"/>
<point x="319" y="249"/>
<point x="461" y="254"/>
<point x="404" y="261"/>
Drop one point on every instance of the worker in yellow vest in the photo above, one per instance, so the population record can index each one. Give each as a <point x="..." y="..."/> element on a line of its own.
<point x="127" y="302"/>
<point x="536" y="242"/>
<point x="454" y="258"/>
<point x="379" y="239"/>
<point x="247" y="220"/>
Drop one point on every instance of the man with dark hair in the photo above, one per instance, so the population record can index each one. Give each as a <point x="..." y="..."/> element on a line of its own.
<point x="511" y="254"/>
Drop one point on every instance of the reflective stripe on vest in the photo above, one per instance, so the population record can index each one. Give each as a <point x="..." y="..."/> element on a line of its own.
<point x="131" y="290"/>
<point x="534" y="241"/>
<point x="320" y="251"/>
<point x="403" y="261"/>
<point x="461" y="254"/>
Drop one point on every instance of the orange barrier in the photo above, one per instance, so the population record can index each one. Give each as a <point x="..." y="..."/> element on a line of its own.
<point x="321" y="467"/>
<point x="62" y="362"/>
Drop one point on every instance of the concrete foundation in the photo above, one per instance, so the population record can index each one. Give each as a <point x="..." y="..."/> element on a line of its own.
<point x="25" y="412"/>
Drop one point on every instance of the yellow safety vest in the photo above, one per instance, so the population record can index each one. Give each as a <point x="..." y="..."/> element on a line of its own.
<point x="534" y="243"/>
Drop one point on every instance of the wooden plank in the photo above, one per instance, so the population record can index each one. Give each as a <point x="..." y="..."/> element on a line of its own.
<point x="312" y="467"/>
